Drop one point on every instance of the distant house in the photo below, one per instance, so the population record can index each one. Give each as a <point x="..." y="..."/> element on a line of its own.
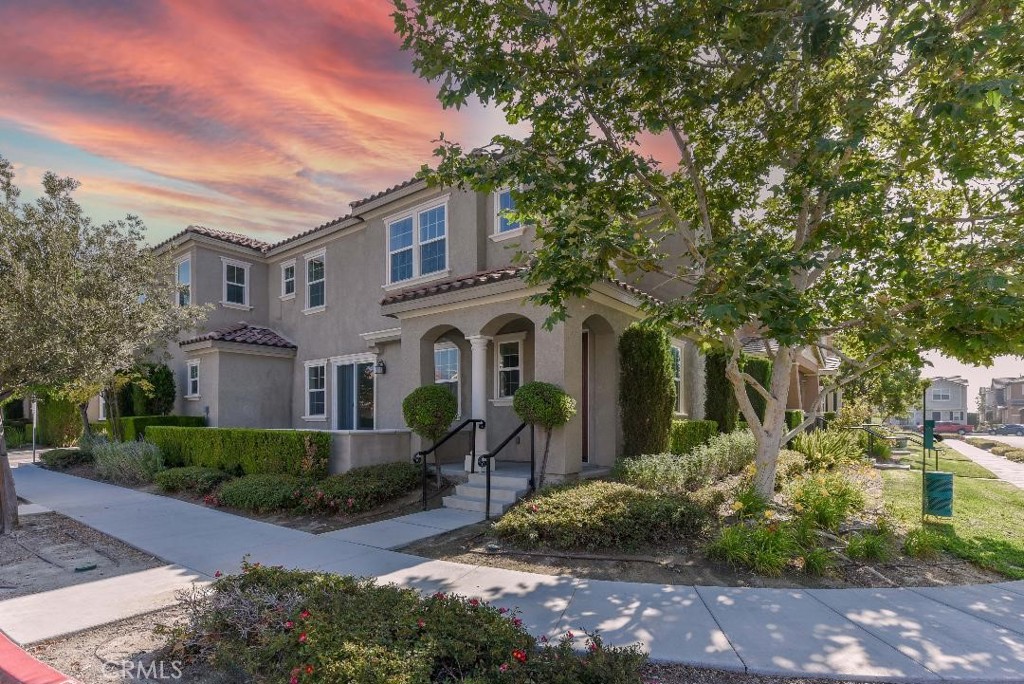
<point x="946" y="402"/>
<point x="1003" y="401"/>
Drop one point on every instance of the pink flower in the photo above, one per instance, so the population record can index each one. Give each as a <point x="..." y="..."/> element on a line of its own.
<point x="304" y="614"/>
<point x="517" y="622"/>
<point x="543" y="639"/>
<point x="218" y="573"/>
<point x="474" y="602"/>
<point x="351" y="502"/>
<point x="592" y="647"/>
<point x="569" y="634"/>
<point x="420" y="623"/>
<point x="502" y="611"/>
<point x="439" y="595"/>
<point x="294" y="680"/>
<point x="534" y="508"/>
<point x="302" y="638"/>
<point x="289" y="624"/>
<point x="503" y="667"/>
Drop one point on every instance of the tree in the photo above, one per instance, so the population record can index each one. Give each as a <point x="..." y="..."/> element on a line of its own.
<point x="647" y="390"/>
<point x="80" y="301"/>
<point x="891" y="390"/>
<point x="546" y="405"/>
<point x="832" y="167"/>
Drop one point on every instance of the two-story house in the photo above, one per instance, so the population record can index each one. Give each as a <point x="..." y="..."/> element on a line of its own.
<point x="947" y="402"/>
<point x="1004" y="400"/>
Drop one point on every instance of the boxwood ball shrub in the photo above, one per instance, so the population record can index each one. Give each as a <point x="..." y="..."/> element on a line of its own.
<point x="545" y="405"/>
<point x="242" y="451"/>
<point x="361" y="489"/>
<point x="687" y="435"/>
<point x="195" y="480"/>
<point x="793" y="418"/>
<point x="429" y="411"/>
<point x="263" y="493"/>
<point x="128" y="463"/>
<point x="647" y="391"/>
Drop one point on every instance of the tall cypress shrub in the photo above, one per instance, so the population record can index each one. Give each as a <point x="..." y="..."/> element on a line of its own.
<point x="647" y="392"/>
<point x="719" y="400"/>
<point x="760" y="369"/>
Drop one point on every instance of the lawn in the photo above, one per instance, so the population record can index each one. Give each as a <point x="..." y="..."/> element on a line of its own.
<point x="985" y="527"/>
<point x="950" y="461"/>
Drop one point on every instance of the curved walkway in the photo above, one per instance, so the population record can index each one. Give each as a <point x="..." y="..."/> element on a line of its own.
<point x="968" y="634"/>
<point x="1004" y="469"/>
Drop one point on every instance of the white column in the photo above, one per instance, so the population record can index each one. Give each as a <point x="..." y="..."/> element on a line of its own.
<point x="478" y="344"/>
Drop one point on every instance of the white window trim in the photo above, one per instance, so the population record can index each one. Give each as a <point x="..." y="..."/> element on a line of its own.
<point x="497" y="235"/>
<point x="680" y="408"/>
<point x="295" y="280"/>
<point x="319" y="417"/>
<point x="189" y="365"/>
<point x="246" y="266"/>
<point x="948" y="395"/>
<point x="518" y="338"/>
<point x="363" y="357"/>
<point x="414" y="213"/>
<point x="320" y="254"/>
<point x="177" y="283"/>
<point x="445" y="344"/>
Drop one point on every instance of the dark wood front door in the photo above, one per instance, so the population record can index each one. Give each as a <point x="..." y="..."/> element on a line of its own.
<point x="585" y="413"/>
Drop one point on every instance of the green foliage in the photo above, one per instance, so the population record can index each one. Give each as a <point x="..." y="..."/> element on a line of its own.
<point x="827" y="499"/>
<point x="791" y="465"/>
<point x="195" y="480"/>
<point x="277" y="625"/>
<point x="983" y="442"/>
<point x="764" y="547"/>
<point x="17" y="435"/>
<point x="794" y="417"/>
<point x="721" y="456"/>
<point x="128" y="463"/>
<point x="873" y="447"/>
<point x="870" y="546"/>
<point x="827" y="449"/>
<point x="361" y="489"/>
<point x="760" y="369"/>
<point x="601" y="515"/>
<point x="62" y="459"/>
<point x="720" y="400"/>
<point x="818" y="561"/>
<point x="891" y="389"/>
<point x="88" y="443"/>
<point x="543" y="404"/>
<point x="647" y="393"/>
<point x="749" y="502"/>
<point x="921" y="543"/>
<point x="134" y="427"/>
<point x="245" y="451"/>
<point x="687" y="435"/>
<point x="429" y="411"/>
<point x="59" y="422"/>
<point x="264" y="493"/>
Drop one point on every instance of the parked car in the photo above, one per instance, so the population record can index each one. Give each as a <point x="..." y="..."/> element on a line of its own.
<point x="950" y="428"/>
<point x="1009" y="429"/>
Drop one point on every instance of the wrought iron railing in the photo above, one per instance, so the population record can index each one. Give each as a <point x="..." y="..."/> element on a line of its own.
<point x="485" y="461"/>
<point x="420" y="457"/>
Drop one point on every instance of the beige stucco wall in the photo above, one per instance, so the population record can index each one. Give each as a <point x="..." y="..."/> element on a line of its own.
<point x="253" y="390"/>
<point x="355" y="449"/>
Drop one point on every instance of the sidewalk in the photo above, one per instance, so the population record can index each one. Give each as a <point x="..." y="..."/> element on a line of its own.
<point x="971" y="634"/>
<point x="1004" y="469"/>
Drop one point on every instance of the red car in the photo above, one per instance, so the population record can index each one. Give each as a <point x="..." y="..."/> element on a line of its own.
<point x="950" y="428"/>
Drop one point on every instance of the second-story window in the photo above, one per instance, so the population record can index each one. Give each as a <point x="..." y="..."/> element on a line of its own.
<point x="183" y="278"/>
<point x="508" y="364"/>
<point x="418" y="244"/>
<point x="316" y="277"/>
<point x="236" y="283"/>
<point x="288" y="279"/>
<point x="504" y="202"/>
<point x="940" y="394"/>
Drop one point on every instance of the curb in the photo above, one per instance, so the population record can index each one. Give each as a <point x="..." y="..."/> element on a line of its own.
<point x="18" y="667"/>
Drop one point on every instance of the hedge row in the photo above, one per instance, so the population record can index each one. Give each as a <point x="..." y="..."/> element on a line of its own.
<point x="687" y="435"/>
<point x="244" y="451"/>
<point x="134" y="427"/>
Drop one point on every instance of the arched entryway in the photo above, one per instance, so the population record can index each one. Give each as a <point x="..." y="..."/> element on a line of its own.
<point x="597" y="401"/>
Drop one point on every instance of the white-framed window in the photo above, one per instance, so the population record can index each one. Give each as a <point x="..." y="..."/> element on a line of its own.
<point x="183" y="279"/>
<point x="288" y="279"/>
<point x="103" y="407"/>
<point x="508" y="364"/>
<point x="192" y="379"/>
<point x="446" y="370"/>
<point x="677" y="378"/>
<point x="940" y="394"/>
<point x="316" y="390"/>
<point x="418" y="243"/>
<point x="503" y="202"/>
<point x="236" y="283"/>
<point x="316" y="281"/>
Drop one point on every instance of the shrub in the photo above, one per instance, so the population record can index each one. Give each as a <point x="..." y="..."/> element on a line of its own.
<point x="869" y="546"/>
<point x="749" y="503"/>
<point x="760" y="369"/>
<point x="87" y="443"/>
<point x="60" y="422"/>
<point x="827" y="499"/>
<point x="921" y="543"/>
<point x="794" y="417"/>
<point x="361" y="489"/>
<point x="791" y="465"/>
<point x="983" y="442"/>
<point x="277" y="625"/>
<point x="827" y="449"/>
<point x="17" y="435"/>
<point x="647" y="391"/>
<point x="62" y="459"/>
<point x="817" y="561"/>
<point x="687" y="435"/>
<point x="1015" y="455"/>
<point x="241" y="451"/>
<point x="263" y="493"/>
<point x="722" y="455"/>
<point x="546" y="405"/>
<point x="429" y="411"/>
<point x="601" y="515"/>
<point x="128" y="463"/>
<point x="766" y="547"/>
<point x="191" y="479"/>
<point x="134" y="427"/>
<point x="720" y="403"/>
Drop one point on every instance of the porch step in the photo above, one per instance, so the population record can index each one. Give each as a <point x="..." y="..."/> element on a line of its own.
<point x="516" y="482"/>
<point x="900" y="452"/>
<point x="479" y="491"/>
<point x="465" y="503"/>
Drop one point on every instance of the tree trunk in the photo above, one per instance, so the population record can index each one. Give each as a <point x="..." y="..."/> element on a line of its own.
<point x="8" y="497"/>
<point x="544" y="459"/>
<point x="83" y="411"/>
<point x="113" y="415"/>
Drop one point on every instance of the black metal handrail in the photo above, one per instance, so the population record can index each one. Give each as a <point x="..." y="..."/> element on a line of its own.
<point x="421" y="456"/>
<point x="485" y="460"/>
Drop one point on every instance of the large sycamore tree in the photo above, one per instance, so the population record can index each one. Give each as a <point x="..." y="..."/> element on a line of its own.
<point x="833" y="167"/>
<point x="78" y="301"/>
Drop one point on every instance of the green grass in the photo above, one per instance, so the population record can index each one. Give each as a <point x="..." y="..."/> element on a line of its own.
<point x="985" y="528"/>
<point x="950" y="461"/>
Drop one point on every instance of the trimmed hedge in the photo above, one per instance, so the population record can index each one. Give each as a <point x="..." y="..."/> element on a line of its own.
<point x="687" y="435"/>
<point x="62" y="459"/>
<point x="134" y="427"/>
<point x="60" y="423"/>
<point x="190" y="479"/>
<point x="264" y="493"/>
<point x="793" y="418"/>
<point x="243" y="451"/>
<point x="647" y="391"/>
<point x="720" y="403"/>
<point x="760" y="369"/>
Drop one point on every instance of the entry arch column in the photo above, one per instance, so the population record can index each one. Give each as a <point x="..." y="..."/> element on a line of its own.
<point x="478" y="349"/>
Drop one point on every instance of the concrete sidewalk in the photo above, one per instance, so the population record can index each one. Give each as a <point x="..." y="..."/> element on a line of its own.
<point x="1004" y="469"/>
<point x="970" y="634"/>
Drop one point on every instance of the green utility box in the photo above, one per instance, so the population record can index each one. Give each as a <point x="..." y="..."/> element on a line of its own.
<point x="938" y="494"/>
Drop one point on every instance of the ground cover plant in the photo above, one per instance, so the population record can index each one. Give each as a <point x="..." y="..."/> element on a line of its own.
<point x="270" y="624"/>
<point x="194" y="480"/>
<point x="62" y="459"/>
<point x="360" y="489"/>
<point x="127" y="463"/>
<point x="721" y="455"/>
<point x="263" y="493"/>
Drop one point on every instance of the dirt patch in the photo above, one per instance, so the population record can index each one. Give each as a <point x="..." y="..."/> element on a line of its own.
<point x="47" y="549"/>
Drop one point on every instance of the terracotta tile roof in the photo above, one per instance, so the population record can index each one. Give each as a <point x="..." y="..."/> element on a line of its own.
<point x="244" y="333"/>
<point x="386" y="191"/>
<point x="304" y="233"/>
<point x="226" y="236"/>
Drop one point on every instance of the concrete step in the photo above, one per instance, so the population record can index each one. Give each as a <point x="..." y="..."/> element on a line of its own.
<point x="901" y="452"/>
<point x="465" y="503"/>
<point x="472" y="491"/>
<point x="516" y="482"/>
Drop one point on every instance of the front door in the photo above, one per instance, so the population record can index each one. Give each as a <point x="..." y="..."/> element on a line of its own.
<point x="355" y="396"/>
<point x="585" y="413"/>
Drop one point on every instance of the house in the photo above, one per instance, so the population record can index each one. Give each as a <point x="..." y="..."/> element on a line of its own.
<point x="946" y="401"/>
<point x="812" y="366"/>
<point x="1003" y="401"/>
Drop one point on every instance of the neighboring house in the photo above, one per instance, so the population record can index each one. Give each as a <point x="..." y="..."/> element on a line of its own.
<point x="946" y="401"/>
<point x="1003" y="401"/>
<point x="805" y="386"/>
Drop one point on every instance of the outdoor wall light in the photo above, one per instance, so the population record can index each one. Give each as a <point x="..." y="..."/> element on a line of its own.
<point x="379" y="368"/>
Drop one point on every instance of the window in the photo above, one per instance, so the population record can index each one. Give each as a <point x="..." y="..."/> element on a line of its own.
<point x="184" y="280"/>
<point x="446" y="369"/>
<point x="677" y="378"/>
<point x="936" y="415"/>
<point x="316" y="296"/>
<point x="192" y="384"/>
<point x="103" y="408"/>
<point x="316" y="390"/>
<point x="940" y="394"/>
<point x="504" y="201"/>
<point x="288" y="279"/>
<point x="236" y="283"/>
<point x="418" y="244"/>
<point x="509" y="364"/>
<point x="356" y="394"/>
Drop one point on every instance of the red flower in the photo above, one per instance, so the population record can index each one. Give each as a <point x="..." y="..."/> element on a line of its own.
<point x="302" y="638"/>
<point x="218" y="573"/>
<point x="309" y="669"/>
<point x="289" y="624"/>
<point x="519" y="654"/>
<point x="439" y="595"/>
<point x="569" y="634"/>
<point x="517" y="622"/>
<point x="304" y="614"/>
<point x="474" y="602"/>
<point x="420" y="623"/>
<point x="592" y="647"/>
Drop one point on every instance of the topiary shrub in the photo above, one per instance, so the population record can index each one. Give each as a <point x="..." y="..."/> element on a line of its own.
<point x="429" y="411"/>
<point x="128" y="463"/>
<point x="687" y="435"/>
<point x="546" y="405"/>
<point x="361" y="489"/>
<point x="195" y="480"/>
<point x="720" y="403"/>
<point x="60" y="423"/>
<point x="647" y="391"/>
<point x="262" y="493"/>
<point x="760" y="369"/>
